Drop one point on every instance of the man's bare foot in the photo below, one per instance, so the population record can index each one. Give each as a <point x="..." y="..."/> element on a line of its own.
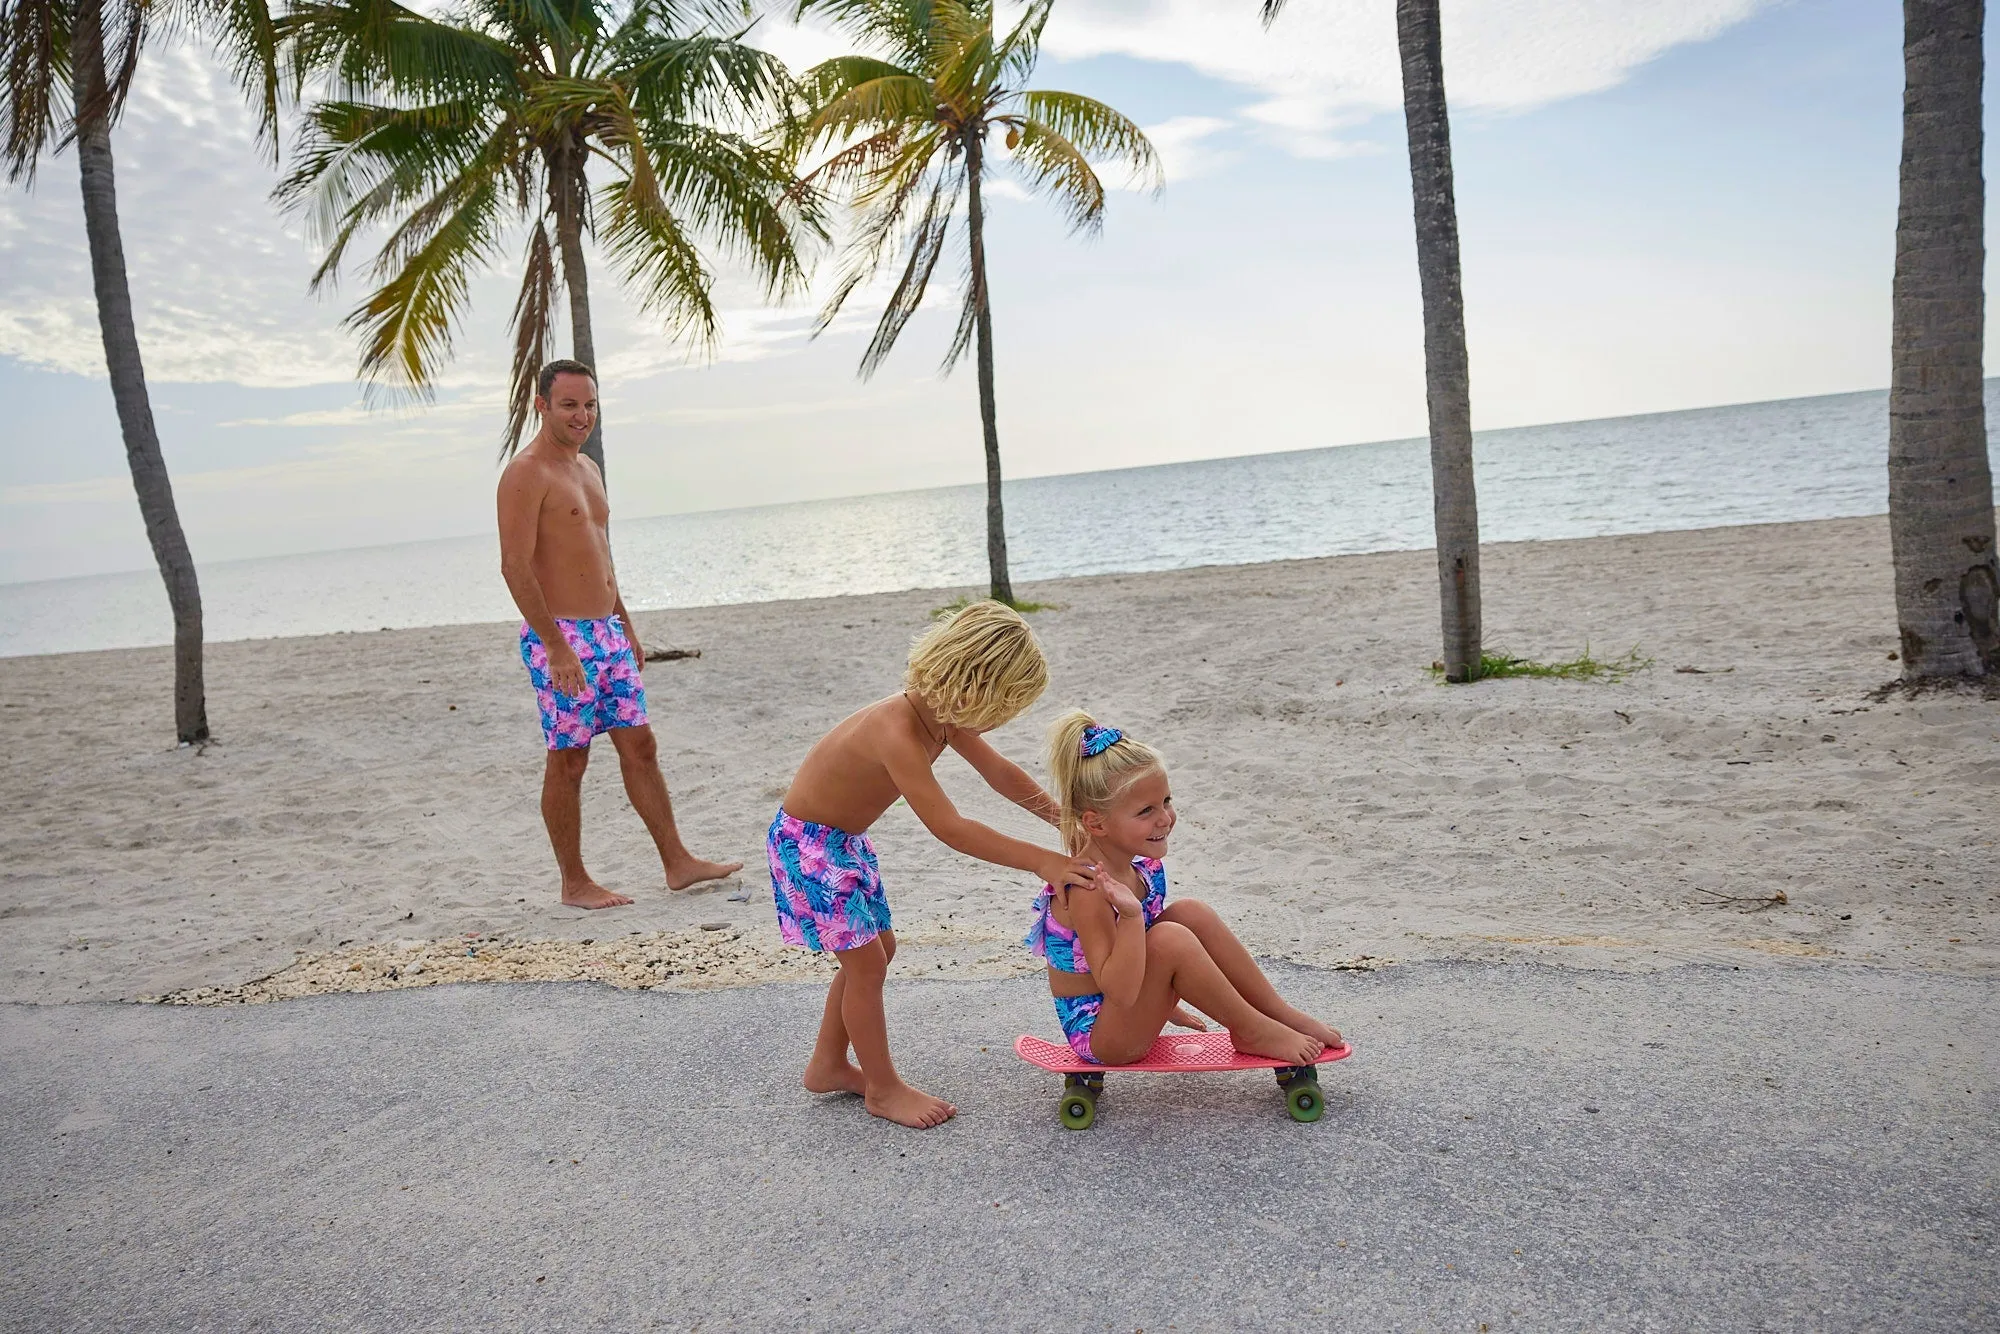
<point x="908" y="1107"/>
<point x="1273" y="1039"/>
<point x="590" y="894"/>
<point x="830" y="1078"/>
<point x="694" y="870"/>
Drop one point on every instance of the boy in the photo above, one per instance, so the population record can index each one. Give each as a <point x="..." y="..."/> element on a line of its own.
<point x="966" y="677"/>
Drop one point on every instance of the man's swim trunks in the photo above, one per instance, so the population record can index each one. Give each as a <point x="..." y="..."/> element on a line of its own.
<point x="827" y="885"/>
<point x="613" y="695"/>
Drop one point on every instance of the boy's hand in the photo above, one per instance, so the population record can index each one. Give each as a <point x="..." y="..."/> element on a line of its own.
<point x="1066" y="873"/>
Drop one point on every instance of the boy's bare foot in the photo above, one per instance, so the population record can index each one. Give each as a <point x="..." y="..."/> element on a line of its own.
<point x="908" y="1107"/>
<point x="1273" y="1039"/>
<point x="683" y="874"/>
<point x="830" y="1078"/>
<point x="590" y="894"/>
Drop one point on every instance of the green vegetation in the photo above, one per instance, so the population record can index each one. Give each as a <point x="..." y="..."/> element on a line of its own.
<point x="1583" y="667"/>
<point x="958" y="604"/>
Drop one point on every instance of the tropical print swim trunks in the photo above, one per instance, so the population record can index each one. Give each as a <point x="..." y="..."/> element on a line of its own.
<point x="613" y="694"/>
<point x="827" y="885"/>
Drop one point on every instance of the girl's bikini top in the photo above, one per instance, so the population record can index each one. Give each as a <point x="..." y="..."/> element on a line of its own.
<point x="1058" y="945"/>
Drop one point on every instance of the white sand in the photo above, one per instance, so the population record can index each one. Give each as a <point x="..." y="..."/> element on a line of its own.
<point x="1336" y="803"/>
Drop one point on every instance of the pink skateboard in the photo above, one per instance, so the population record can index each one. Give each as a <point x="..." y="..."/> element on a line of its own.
<point x="1082" y="1081"/>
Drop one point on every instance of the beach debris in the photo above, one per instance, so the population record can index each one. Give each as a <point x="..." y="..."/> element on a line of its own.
<point x="715" y="926"/>
<point x="740" y="896"/>
<point x="1758" y="902"/>
<point x="1704" y="671"/>
<point x="671" y="654"/>
<point x="694" y="960"/>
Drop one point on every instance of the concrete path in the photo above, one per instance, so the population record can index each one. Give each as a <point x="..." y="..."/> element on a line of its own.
<point x="1510" y="1149"/>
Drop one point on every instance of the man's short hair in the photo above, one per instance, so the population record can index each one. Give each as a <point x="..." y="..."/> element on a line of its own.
<point x="547" y="379"/>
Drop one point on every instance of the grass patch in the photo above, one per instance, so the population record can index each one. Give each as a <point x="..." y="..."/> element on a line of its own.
<point x="961" y="603"/>
<point x="1583" y="667"/>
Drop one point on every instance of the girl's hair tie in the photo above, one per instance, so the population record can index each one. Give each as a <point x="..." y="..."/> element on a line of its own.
<point x="1097" y="740"/>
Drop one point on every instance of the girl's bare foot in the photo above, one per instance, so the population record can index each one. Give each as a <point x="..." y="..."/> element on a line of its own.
<point x="1311" y="1027"/>
<point x="1183" y="1017"/>
<point x="693" y="870"/>
<point x="1273" y="1039"/>
<point x="830" y="1078"/>
<point x="908" y="1107"/>
<point x="590" y="894"/>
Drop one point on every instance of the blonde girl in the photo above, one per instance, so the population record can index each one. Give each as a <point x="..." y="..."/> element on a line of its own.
<point x="1121" y="959"/>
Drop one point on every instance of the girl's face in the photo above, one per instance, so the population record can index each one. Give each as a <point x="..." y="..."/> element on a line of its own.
<point x="1138" y="821"/>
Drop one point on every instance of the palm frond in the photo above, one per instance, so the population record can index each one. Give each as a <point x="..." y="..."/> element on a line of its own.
<point x="371" y="46"/>
<point x="406" y="323"/>
<point x="534" y="334"/>
<point x="1054" y="166"/>
<point x="925" y="246"/>
<point x="1094" y="130"/>
<point x="35" y="56"/>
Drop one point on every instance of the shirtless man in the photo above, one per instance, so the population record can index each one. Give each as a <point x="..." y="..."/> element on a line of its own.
<point x="581" y="648"/>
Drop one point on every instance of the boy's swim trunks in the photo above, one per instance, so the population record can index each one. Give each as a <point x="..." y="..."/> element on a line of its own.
<point x="613" y="695"/>
<point x="827" y="885"/>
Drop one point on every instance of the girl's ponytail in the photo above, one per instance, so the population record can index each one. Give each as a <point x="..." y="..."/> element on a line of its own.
<point x="1089" y="766"/>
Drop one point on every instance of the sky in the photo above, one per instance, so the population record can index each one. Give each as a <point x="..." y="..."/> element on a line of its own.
<point x="1661" y="206"/>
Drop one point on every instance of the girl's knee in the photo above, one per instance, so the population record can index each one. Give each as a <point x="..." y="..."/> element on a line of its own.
<point x="1190" y="912"/>
<point x="1170" y="940"/>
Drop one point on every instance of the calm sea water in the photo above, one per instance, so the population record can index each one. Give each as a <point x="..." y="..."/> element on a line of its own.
<point x="1809" y="458"/>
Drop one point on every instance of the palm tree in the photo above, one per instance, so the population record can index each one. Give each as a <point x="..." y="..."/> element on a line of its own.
<point x="450" y="131"/>
<point x="1447" y="374"/>
<point x="69" y="67"/>
<point x="910" y="125"/>
<point x="1940" y="482"/>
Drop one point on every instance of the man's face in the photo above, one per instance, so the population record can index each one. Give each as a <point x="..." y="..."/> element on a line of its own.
<point x="570" y="410"/>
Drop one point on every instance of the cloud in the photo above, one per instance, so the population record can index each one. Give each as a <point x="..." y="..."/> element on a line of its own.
<point x="1325" y="66"/>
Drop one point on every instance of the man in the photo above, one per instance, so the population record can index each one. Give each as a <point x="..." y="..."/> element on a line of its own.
<point x="580" y="645"/>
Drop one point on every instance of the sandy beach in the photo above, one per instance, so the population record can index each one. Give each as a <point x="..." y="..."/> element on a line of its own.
<point x="372" y="797"/>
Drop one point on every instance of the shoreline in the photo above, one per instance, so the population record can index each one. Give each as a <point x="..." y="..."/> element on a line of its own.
<point x="377" y="787"/>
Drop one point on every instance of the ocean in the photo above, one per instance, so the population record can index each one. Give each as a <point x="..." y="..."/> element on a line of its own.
<point x="1806" y="458"/>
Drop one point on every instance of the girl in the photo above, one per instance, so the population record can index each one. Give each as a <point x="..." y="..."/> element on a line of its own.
<point x="1121" y="959"/>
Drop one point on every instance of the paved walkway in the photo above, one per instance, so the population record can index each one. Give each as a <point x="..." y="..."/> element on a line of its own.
<point x="1510" y="1149"/>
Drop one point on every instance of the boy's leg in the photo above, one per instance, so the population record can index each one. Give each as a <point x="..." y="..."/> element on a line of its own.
<point x="829" y="1070"/>
<point x="639" y="762"/>
<point x="1178" y="967"/>
<point x="861" y="972"/>
<point x="562" y="812"/>
<point x="1242" y="970"/>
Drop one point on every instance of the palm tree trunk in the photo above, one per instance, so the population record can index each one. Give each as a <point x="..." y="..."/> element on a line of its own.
<point x="1447" y="377"/>
<point x="1940" y="483"/>
<point x="1002" y="589"/>
<point x="570" y="185"/>
<point x="128" y="378"/>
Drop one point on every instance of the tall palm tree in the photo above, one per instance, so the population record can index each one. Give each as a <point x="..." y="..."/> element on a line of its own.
<point x="1940" y="481"/>
<point x="453" y="131"/>
<point x="1447" y="373"/>
<point x="69" y="66"/>
<point x="910" y="123"/>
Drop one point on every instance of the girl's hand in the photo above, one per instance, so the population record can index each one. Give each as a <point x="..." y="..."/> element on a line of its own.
<point x="1183" y="1017"/>
<point x="1123" y="901"/>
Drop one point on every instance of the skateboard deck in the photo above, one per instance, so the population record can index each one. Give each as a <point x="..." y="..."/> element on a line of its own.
<point x="1173" y="1053"/>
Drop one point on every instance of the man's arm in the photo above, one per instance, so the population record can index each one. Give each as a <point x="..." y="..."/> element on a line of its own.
<point x="520" y="503"/>
<point x="909" y="768"/>
<point x="1004" y="776"/>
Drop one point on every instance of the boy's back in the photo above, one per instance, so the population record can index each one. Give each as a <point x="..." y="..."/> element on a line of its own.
<point x="847" y="780"/>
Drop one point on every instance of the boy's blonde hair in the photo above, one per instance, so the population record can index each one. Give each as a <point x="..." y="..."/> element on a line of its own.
<point x="1091" y="782"/>
<point x="979" y="667"/>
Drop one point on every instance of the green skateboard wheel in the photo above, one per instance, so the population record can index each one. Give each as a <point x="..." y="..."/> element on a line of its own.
<point x="1078" y="1109"/>
<point x="1303" y="1100"/>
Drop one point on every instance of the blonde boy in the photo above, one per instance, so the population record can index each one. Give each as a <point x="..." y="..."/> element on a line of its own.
<point x="966" y="677"/>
